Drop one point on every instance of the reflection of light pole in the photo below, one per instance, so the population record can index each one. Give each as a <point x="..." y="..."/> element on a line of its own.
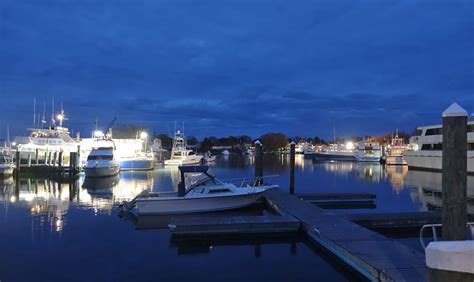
<point x="144" y="136"/>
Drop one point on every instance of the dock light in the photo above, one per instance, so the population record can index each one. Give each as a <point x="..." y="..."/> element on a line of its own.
<point x="60" y="117"/>
<point x="349" y="145"/>
<point x="98" y="134"/>
<point x="143" y="135"/>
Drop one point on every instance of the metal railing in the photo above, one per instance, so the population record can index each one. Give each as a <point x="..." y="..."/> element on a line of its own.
<point x="469" y="227"/>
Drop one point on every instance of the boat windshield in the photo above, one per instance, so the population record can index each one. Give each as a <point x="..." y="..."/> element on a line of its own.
<point x="199" y="180"/>
<point x="100" y="157"/>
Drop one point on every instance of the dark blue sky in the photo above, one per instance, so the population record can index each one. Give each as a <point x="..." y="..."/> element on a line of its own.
<point x="238" y="66"/>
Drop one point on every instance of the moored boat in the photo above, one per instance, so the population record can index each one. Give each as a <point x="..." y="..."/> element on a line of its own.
<point x="368" y="152"/>
<point x="180" y="154"/>
<point x="396" y="151"/>
<point x="205" y="194"/>
<point x="101" y="162"/>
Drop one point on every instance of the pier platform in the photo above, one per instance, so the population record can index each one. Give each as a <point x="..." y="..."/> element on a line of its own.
<point x="373" y="255"/>
<point x="234" y="225"/>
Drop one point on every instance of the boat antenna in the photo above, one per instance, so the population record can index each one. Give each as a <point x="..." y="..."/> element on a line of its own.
<point x="43" y="121"/>
<point x="334" y="132"/>
<point x="8" y="134"/>
<point x="52" y="112"/>
<point x="34" y="111"/>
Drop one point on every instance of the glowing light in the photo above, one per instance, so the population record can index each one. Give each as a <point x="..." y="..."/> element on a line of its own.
<point x="13" y="143"/>
<point x="143" y="135"/>
<point x="98" y="134"/>
<point x="60" y="117"/>
<point x="349" y="145"/>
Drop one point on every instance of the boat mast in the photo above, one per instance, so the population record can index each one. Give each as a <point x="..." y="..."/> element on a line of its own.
<point x="34" y="112"/>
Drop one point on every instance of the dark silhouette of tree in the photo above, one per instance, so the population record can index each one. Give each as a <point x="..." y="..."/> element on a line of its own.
<point x="274" y="141"/>
<point x="166" y="141"/>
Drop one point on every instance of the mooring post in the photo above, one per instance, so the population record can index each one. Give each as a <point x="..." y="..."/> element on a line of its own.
<point x="71" y="163"/>
<point x="50" y="161"/>
<point x="60" y="160"/>
<point x="36" y="157"/>
<point x="292" y="167"/>
<point x="181" y="185"/>
<point x="55" y="158"/>
<point x="77" y="163"/>
<point x="454" y="175"/>
<point x="29" y="159"/>
<point x="17" y="162"/>
<point x="258" y="163"/>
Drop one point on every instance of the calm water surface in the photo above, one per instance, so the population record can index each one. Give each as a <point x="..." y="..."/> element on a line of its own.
<point x="54" y="232"/>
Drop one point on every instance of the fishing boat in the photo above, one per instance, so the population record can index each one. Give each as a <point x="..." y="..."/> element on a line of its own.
<point x="101" y="162"/>
<point x="6" y="166"/>
<point x="180" y="154"/>
<point x="395" y="152"/>
<point x="204" y="193"/>
<point x="368" y="152"/>
<point x="209" y="158"/>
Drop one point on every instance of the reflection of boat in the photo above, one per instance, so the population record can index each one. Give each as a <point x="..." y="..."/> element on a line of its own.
<point x="428" y="185"/>
<point x="180" y="155"/>
<point x="226" y="152"/>
<point x="395" y="152"/>
<point x="396" y="176"/>
<point x="206" y="193"/>
<point x="426" y="149"/>
<point x="101" y="162"/>
<point x="369" y="153"/>
<point x="99" y="185"/>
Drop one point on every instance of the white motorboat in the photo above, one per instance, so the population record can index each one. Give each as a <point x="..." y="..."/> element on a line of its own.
<point x="226" y="152"/>
<point x="369" y="153"/>
<point x="209" y="158"/>
<point x="395" y="152"/>
<point x="101" y="162"/>
<point x="180" y="154"/>
<point x="6" y="166"/>
<point x="205" y="194"/>
<point x="138" y="162"/>
<point x="425" y="150"/>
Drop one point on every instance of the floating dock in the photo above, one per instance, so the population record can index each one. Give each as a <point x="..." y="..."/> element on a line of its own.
<point x="373" y="255"/>
<point x="235" y="225"/>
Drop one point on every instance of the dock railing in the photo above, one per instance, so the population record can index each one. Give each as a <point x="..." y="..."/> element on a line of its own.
<point x="469" y="227"/>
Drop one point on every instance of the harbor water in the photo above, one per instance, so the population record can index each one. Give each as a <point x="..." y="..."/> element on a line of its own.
<point x="53" y="231"/>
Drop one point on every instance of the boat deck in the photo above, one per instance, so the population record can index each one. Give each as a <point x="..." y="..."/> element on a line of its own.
<point x="371" y="254"/>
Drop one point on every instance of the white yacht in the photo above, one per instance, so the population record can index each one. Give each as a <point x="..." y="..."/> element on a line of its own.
<point x="369" y="153"/>
<point x="206" y="194"/>
<point x="425" y="150"/>
<point x="46" y="139"/>
<point x="180" y="154"/>
<point x="396" y="151"/>
<point x="101" y="162"/>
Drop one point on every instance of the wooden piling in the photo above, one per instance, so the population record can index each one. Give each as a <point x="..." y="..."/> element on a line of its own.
<point x="258" y="162"/>
<point x="55" y="157"/>
<point x="292" y="167"/>
<point x="454" y="174"/>
<point x="29" y="159"/>
<point x="17" y="162"/>
<point x="36" y="157"/>
<point x="49" y="159"/>
<point x="181" y="185"/>
<point x="60" y="160"/>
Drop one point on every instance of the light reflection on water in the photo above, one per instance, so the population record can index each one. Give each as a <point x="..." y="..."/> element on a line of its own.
<point x="398" y="189"/>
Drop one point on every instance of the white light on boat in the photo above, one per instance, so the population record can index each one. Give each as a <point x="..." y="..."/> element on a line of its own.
<point x="98" y="134"/>
<point x="143" y="135"/>
<point x="349" y="145"/>
<point x="13" y="143"/>
<point x="60" y="117"/>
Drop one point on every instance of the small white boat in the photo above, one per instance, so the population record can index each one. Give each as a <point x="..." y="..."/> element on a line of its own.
<point x="226" y="152"/>
<point x="138" y="162"/>
<point x="247" y="152"/>
<point x="204" y="195"/>
<point x="209" y="158"/>
<point x="180" y="155"/>
<point x="101" y="162"/>
<point x="6" y="166"/>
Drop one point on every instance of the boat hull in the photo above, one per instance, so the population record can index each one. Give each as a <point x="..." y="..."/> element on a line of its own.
<point x="136" y="165"/>
<point x="189" y="160"/>
<point x="101" y="171"/>
<point x="395" y="160"/>
<point x="433" y="160"/>
<point x="176" y="205"/>
<point x="333" y="156"/>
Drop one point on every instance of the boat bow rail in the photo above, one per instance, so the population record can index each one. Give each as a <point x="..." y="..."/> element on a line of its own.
<point x="433" y="227"/>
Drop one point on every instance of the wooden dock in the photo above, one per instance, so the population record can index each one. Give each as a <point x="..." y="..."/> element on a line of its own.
<point x="373" y="255"/>
<point x="234" y="225"/>
<point x="341" y="200"/>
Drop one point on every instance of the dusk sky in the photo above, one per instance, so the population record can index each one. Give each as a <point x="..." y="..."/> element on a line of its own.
<point x="237" y="67"/>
